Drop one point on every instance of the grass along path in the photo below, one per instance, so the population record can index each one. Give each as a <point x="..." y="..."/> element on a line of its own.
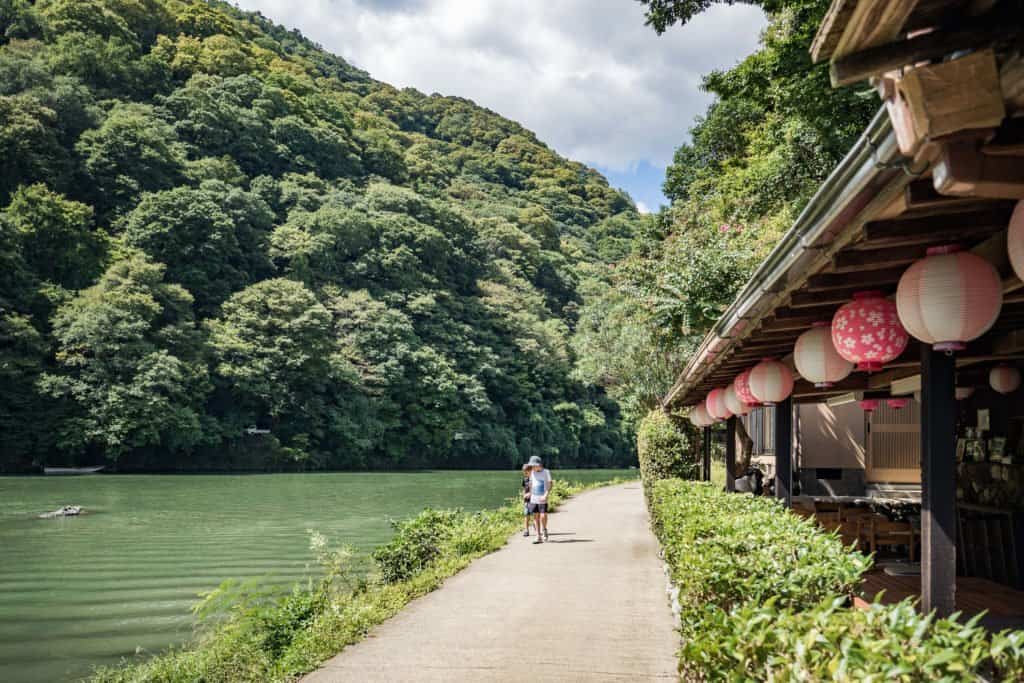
<point x="589" y="605"/>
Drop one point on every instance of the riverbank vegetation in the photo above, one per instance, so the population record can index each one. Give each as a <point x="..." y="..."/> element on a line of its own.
<point x="766" y="595"/>
<point x="222" y="247"/>
<point x="773" y="133"/>
<point x="248" y="633"/>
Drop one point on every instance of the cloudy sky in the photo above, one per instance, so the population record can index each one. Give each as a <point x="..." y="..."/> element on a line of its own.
<point x="586" y="75"/>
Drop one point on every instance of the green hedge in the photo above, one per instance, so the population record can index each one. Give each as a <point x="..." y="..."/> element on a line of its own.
<point x="667" y="448"/>
<point x="765" y="595"/>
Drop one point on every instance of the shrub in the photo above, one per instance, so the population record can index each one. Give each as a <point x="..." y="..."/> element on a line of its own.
<point x="666" y="448"/>
<point x="416" y="543"/>
<point x="764" y="595"/>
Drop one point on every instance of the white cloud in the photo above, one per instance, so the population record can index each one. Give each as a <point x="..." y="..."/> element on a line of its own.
<point x="641" y="207"/>
<point x="586" y="75"/>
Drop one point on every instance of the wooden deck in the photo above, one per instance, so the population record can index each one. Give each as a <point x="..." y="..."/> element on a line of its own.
<point x="1003" y="605"/>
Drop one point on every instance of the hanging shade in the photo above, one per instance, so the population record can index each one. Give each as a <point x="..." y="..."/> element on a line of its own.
<point x="742" y="386"/>
<point x="1015" y="240"/>
<point x="816" y="357"/>
<point x="897" y="403"/>
<point x="770" y="382"/>
<point x="1004" y="378"/>
<point x="716" y="404"/>
<point x="949" y="298"/>
<point x="733" y="402"/>
<point x="964" y="392"/>
<point x="867" y="331"/>
<point x="869" y="405"/>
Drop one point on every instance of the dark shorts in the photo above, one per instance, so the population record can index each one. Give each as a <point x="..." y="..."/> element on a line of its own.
<point x="534" y="508"/>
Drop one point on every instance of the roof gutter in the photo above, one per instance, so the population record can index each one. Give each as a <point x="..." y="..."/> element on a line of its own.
<point x="816" y="226"/>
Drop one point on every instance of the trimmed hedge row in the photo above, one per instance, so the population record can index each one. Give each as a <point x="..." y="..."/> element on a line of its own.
<point x="666" y="448"/>
<point x="765" y="595"/>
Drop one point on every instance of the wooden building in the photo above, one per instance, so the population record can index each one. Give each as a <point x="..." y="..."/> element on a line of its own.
<point x="942" y="162"/>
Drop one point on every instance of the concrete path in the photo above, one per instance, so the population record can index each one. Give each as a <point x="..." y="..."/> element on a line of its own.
<point x="588" y="606"/>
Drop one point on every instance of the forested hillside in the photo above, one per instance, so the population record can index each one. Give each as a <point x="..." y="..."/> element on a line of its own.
<point x="210" y="224"/>
<point x="774" y="132"/>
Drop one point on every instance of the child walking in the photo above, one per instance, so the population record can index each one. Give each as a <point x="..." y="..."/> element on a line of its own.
<point x="526" y="498"/>
<point x="540" y="487"/>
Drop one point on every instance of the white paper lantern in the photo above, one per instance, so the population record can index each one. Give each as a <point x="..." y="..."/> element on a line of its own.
<point x="1004" y="378"/>
<point x="715" y="403"/>
<point x="771" y="382"/>
<point x="816" y="357"/>
<point x="733" y="402"/>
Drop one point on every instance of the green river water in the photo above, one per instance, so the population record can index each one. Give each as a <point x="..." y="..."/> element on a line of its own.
<point x="83" y="591"/>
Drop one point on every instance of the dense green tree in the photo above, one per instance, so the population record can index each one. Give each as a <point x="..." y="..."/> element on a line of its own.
<point x="129" y="361"/>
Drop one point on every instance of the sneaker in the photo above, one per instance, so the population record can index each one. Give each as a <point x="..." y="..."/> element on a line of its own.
<point x="545" y="534"/>
<point x="538" y="540"/>
<point x="526" y="534"/>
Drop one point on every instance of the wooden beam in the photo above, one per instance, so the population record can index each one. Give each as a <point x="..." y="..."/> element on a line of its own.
<point x="793" y="324"/>
<point x="784" y="452"/>
<point x="857" y="382"/>
<point x="830" y="30"/>
<point x="865" y="279"/>
<point x="963" y="171"/>
<point x="707" y="453"/>
<point x="815" y="314"/>
<point x="920" y="195"/>
<point x="938" y="229"/>
<point x="873" y="22"/>
<point x="835" y="297"/>
<point x="852" y="260"/>
<point x="891" y="56"/>
<point x="938" y="482"/>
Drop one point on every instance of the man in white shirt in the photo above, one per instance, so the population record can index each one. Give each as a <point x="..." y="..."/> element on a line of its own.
<point x="540" y="487"/>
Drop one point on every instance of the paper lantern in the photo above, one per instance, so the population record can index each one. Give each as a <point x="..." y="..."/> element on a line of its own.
<point x="699" y="416"/>
<point x="867" y="331"/>
<point x="733" y="402"/>
<point x="742" y="386"/>
<point x="869" y="405"/>
<point x="1004" y="378"/>
<point x="770" y="382"/>
<point x="963" y="392"/>
<point x="949" y="298"/>
<point x="816" y="357"/>
<point x="715" y="403"/>
<point x="1015" y="239"/>
<point x="897" y="403"/>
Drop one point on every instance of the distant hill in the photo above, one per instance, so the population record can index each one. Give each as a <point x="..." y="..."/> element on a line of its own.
<point x="210" y="224"/>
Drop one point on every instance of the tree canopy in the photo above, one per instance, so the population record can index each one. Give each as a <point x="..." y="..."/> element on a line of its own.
<point x="208" y="223"/>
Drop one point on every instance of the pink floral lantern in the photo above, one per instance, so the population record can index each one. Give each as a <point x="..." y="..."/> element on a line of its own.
<point x="869" y="405"/>
<point x="816" y="357"/>
<point x="742" y="386"/>
<point x="949" y="298"/>
<point x="715" y="403"/>
<point x="867" y="331"/>
<point x="1015" y="239"/>
<point x="897" y="403"/>
<point x="770" y="382"/>
<point x="1004" y="378"/>
<point x="733" y="402"/>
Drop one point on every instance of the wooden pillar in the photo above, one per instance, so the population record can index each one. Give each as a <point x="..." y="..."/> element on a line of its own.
<point x="706" y="445"/>
<point x="784" y="451"/>
<point x="730" y="454"/>
<point x="938" y="482"/>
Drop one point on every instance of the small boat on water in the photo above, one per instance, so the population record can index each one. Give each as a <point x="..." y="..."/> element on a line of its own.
<point x="65" y="511"/>
<point x="73" y="470"/>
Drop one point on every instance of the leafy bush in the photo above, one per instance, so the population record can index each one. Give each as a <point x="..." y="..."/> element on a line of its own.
<point x="764" y="595"/>
<point x="666" y="449"/>
<point x="417" y="543"/>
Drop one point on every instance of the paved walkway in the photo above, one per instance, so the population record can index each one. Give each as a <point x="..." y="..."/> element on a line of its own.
<point x="588" y="606"/>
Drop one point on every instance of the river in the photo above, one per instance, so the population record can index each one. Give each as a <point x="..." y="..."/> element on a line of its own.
<point x="84" y="591"/>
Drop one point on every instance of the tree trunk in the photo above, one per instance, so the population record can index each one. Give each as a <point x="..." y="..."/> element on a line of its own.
<point x="746" y="448"/>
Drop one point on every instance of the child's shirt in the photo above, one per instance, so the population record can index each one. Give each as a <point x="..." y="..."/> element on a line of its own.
<point x="540" y="486"/>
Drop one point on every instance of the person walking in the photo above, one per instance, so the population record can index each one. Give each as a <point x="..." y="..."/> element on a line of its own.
<point x="540" y="487"/>
<point x="526" y="498"/>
